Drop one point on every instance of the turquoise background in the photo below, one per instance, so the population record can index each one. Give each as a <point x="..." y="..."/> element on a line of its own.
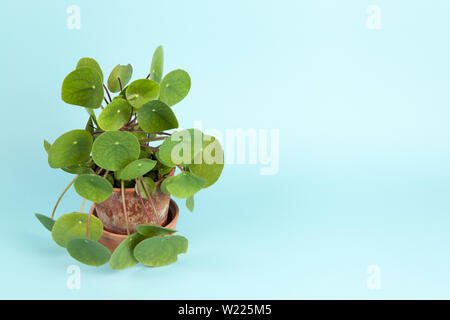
<point x="364" y="145"/>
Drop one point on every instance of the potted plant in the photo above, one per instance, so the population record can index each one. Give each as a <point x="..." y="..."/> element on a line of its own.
<point x="129" y="165"/>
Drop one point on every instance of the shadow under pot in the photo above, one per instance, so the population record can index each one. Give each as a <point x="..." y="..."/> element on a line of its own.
<point x="113" y="216"/>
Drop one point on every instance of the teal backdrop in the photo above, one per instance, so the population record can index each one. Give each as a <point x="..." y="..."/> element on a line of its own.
<point x="363" y="116"/>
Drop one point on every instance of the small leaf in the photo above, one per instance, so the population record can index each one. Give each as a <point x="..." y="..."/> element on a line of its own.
<point x="115" y="115"/>
<point x="135" y="169"/>
<point x="155" y="116"/>
<point x="123" y="72"/>
<point x="160" y="251"/>
<point x="123" y="256"/>
<point x="78" y="169"/>
<point x="165" y="183"/>
<point x="71" y="148"/>
<point x="184" y="185"/>
<point x="47" y="222"/>
<point x="90" y="63"/>
<point x="83" y="87"/>
<point x="73" y="225"/>
<point x="93" y="188"/>
<point x="47" y="146"/>
<point x="190" y="203"/>
<point x="150" y="230"/>
<point x="150" y="186"/>
<point x="88" y="252"/>
<point x="174" y="87"/>
<point x="142" y="91"/>
<point x="113" y="150"/>
<point x="156" y="68"/>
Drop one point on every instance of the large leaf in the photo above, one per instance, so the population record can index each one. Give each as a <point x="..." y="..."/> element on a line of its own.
<point x="142" y="91"/>
<point x="155" y="116"/>
<point x="123" y="256"/>
<point x="90" y="63"/>
<point x="73" y="225"/>
<point x="151" y="187"/>
<point x="113" y="150"/>
<point x="135" y="169"/>
<point x="123" y="72"/>
<point x="83" y="87"/>
<point x="88" y="252"/>
<point x="156" y="68"/>
<point x="47" y="222"/>
<point x="151" y="230"/>
<point x="71" y="148"/>
<point x="160" y="251"/>
<point x="115" y="115"/>
<point x="209" y="162"/>
<point x="174" y="87"/>
<point x="184" y="185"/>
<point x="180" y="147"/>
<point x="93" y="188"/>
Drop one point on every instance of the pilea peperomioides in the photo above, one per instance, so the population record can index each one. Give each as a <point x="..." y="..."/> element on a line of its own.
<point x="130" y="145"/>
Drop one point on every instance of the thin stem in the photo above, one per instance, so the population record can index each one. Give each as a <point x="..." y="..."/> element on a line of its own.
<point x="107" y="92"/>
<point x="106" y="101"/>
<point x="106" y="173"/>
<point x="153" y="139"/>
<point x="164" y="133"/>
<point x="180" y="167"/>
<point x="124" y="206"/>
<point x="148" y="76"/>
<point x="120" y="83"/>
<point x="62" y="194"/>
<point x="152" y="148"/>
<point x="150" y="199"/>
<point x="82" y="205"/>
<point x="142" y="201"/>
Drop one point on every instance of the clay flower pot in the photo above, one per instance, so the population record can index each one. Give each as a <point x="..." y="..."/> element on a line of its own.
<point x="112" y="214"/>
<point x="112" y="240"/>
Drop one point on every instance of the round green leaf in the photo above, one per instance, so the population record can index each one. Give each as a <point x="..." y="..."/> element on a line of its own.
<point x="71" y="148"/>
<point x="123" y="72"/>
<point x="78" y="169"/>
<point x="174" y="87"/>
<point x="190" y="203"/>
<point x="135" y="169"/>
<point x="180" y="147"/>
<point x="88" y="252"/>
<point x="73" y="225"/>
<point x="47" y="222"/>
<point x="90" y="63"/>
<point x="150" y="186"/>
<point x="115" y="115"/>
<point x="83" y="87"/>
<point x="155" y="116"/>
<point x="160" y="251"/>
<point x="150" y="230"/>
<point x="93" y="188"/>
<point x="156" y="68"/>
<point x="113" y="150"/>
<point x="123" y="256"/>
<point x="165" y="183"/>
<point x="208" y="163"/>
<point x="142" y="91"/>
<point x="184" y="185"/>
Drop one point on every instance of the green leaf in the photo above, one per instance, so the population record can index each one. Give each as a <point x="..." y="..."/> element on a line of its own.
<point x="135" y="169"/>
<point x="150" y="230"/>
<point x="180" y="147"/>
<point x="123" y="256"/>
<point x="89" y="125"/>
<point x="150" y="186"/>
<point x="156" y="68"/>
<point x="165" y="183"/>
<point x="73" y="225"/>
<point x="113" y="150"/>
<point x="88" y="252"/>
<point x="155" y="116"/>
<point x="47" y="146"/>
<point x="78" y="169"/>
<point x="123" y="72"/>
<point x="184" y="185"/>
<point x="115" y="115"/>
<point x="160" y="251"/>
<point x="83" y="87"/>
<point x="174" y="87"/>
<point x="47" y="222"/>
<point x="71" y="148"/>
<point x="90" y="63"/>
<point x="190" y="203"/>
<point x="208" y="164"/>
<point x="142" y="91"/>
<point x="93" y="188"/>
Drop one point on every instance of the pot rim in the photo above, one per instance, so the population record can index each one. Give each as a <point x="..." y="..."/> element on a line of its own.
<point x="157" y="183"/>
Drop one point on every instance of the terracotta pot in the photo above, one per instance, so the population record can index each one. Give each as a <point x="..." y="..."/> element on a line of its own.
<point x="112" y="214"/>
<point x="112" y="240"/>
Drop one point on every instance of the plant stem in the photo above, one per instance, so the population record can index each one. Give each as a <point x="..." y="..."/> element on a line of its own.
<point x="106" y="173"/>
<point x="148" y="76"/>
<point x="62" y="194"/>
<point x="120" y="83"/>
<point x="152" y="148"/>
<point x="82" y="205"/>
<point x="106" y="101"/>
<point x="107" y="92"/>
<point x="150" y="199"/>
<point x="142" y="201"/>
<point x="153" y="139"/>
<point x="180" y="167"/>
<point x="164" y="133"/>
<point x="124" y="205"/>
